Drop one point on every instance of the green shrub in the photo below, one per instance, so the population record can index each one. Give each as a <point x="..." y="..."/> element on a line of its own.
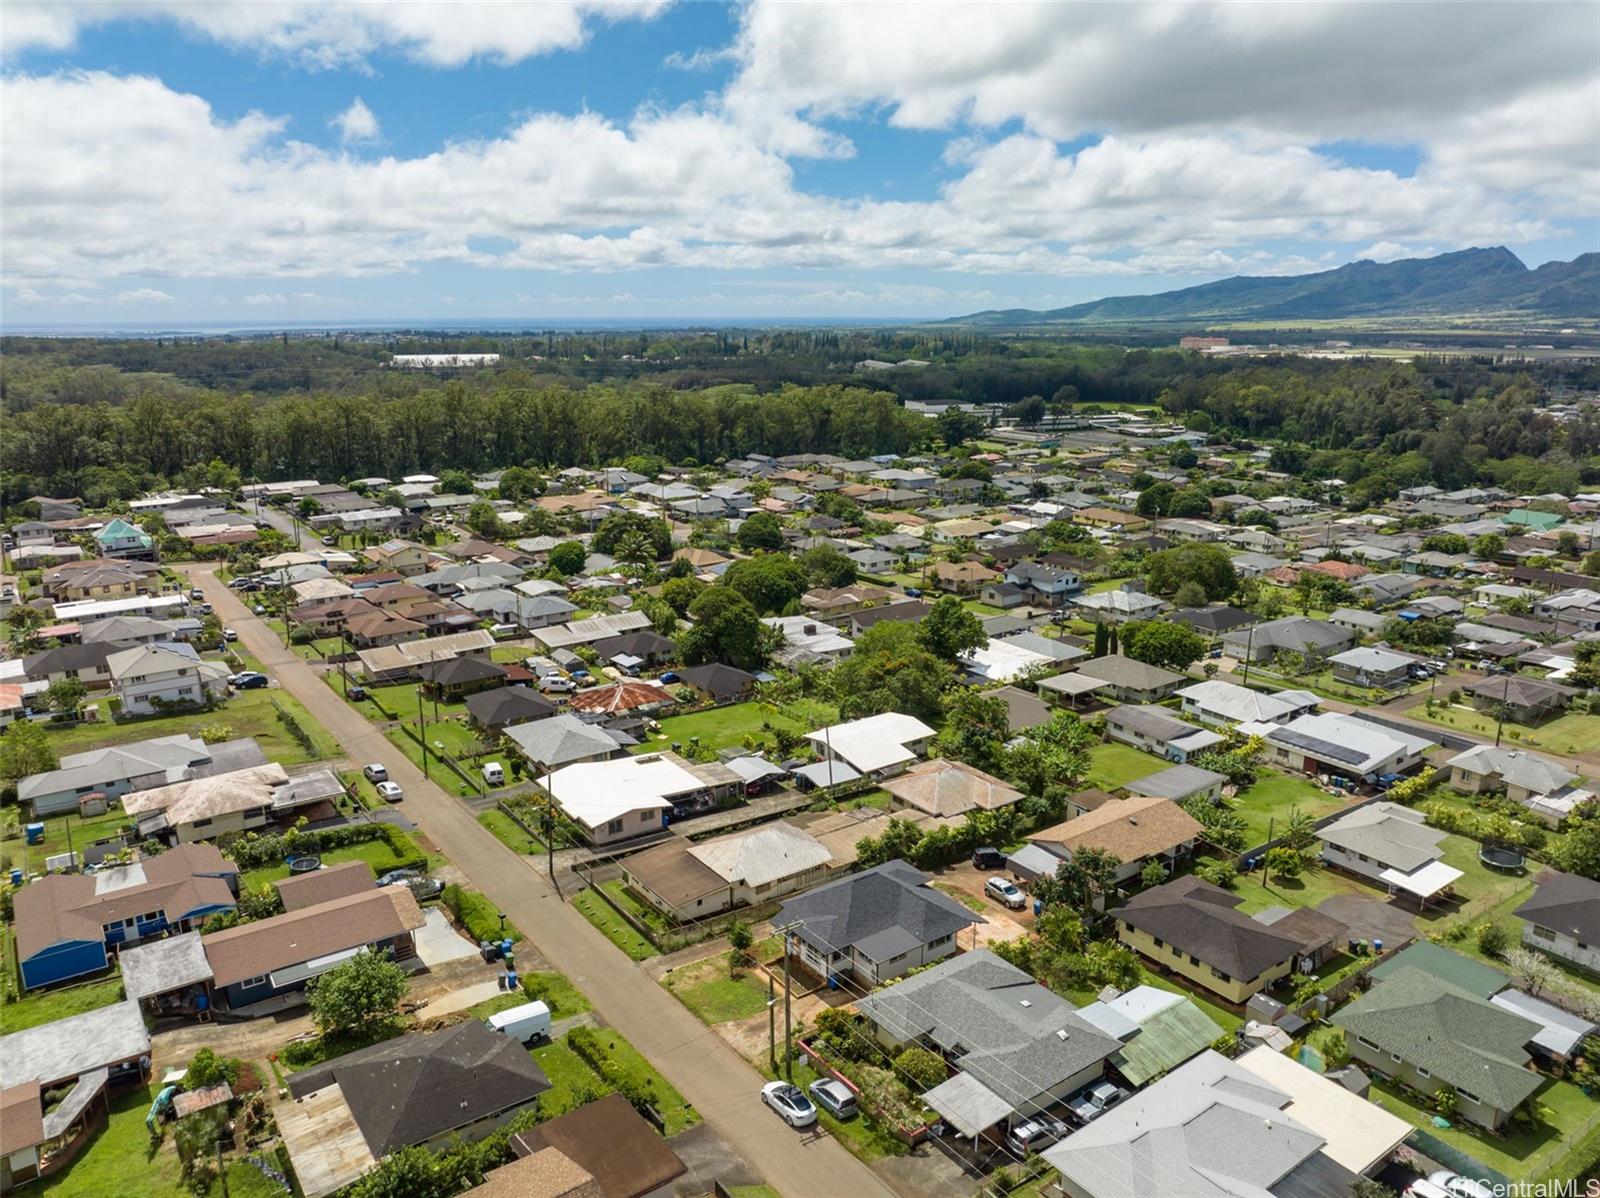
<point x="921" y="1069"/>
<point x="476" y="914"/>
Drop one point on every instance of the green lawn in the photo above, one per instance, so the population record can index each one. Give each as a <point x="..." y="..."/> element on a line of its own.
<point x="971" y="901"/>
<point x="612" y="926"/>
<point x="861" y="1135"/>
<point x="618" y="890"/>
<point x="375" y="853"/>
<point x="1567" y="734"/>
<point x="1265" y="805"/>
<point x="1563" y="1143"/>
<point x="247" y="713"/>
<point x="59" y="831"/>
<point x="706" y="989"/>
<point x="572" y="1083"/>
<point x="1314" y="884"/>
<point x="511" y="834"/>
<point x="725" y="727"/>
<point x="675" y="1111"/>
<point x="50" y="1005"/>
<point x="1115" y="764"/>
<point x="555" y="990"/>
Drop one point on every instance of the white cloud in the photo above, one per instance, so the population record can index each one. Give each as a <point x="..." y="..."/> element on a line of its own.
<point x="356" y="123"/>
<point x="126" y="176"/>
<point x="326" y="35"/>
<point x="143" y="295"/>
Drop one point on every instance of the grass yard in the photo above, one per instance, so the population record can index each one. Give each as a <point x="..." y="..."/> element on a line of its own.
<point x="619" y="893"/>
<point x="675" y="1111"/>
<point x="247" y="713"/>
<point x="1561" y="1145"/>
<point x="611" y="925"/>
<point x="556" y="991"/>
<point x="1569" y="733"/>
<point x="725" y="727"/>
<point x="376" y="853"/>
<point x="50" y="1005"/>
<point x="1265" y="805"/>
<point x="572" y="1083"/>
<point x="60" y="831"/>
<point x="1115" y="764"/>
<point x="1314" y="885"/>
<point x="510" y="834"/>
<point x="706" y="988"/>
<point x="970" y="901"/>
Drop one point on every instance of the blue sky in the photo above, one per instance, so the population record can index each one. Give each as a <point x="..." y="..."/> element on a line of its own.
<point x="217" y="161"/>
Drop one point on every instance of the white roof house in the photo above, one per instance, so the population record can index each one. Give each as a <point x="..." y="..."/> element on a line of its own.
<point x="1003" y="661"/>
<point x="878" y="742"/>
<point x="805" y="636"/>
<point x="1218" y="702"/>
<point x="1347" y="745"/>
<point x="763" y="856"/>
<point x="1359" y="1133"/>
<point x="598" y="793"/>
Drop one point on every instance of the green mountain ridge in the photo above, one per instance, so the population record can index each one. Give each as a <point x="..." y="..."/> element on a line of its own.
<point x="1473" y="280"/>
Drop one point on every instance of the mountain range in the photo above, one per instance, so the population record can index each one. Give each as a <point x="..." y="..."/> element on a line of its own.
<point x="1467" y="281"/>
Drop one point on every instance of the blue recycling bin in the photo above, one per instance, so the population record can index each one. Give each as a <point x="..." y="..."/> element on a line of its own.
<point x="1038" y="907"/>
<point x="1377" y="947"/>
<point x="35" y="833"/>
<point x="16" y="875"/>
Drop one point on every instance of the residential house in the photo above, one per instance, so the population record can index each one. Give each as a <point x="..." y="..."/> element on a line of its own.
<point x="687" y="881"/>
<point x="1186" y="1135"/>
<point x="1135" y="830"/>
<point x="1312" y="639"/>
<point x="633" y="695"/>
<point x="1119" y="606"/>
<point x="87" y="663"/>
<point x="119" y="539"/>
<point x="828" y="602"/>
<point x="1191" y="928"/>
<point x="147" y="678"/>
<point x="118" y="769"/>
<point x="1180" y="783"/>
<point x="1157" y="1030"/>
<point x="1104" y="517"/>
<point x="69" y="925"/>
<point x="219" y="804"/>
<point x="1044" y="585"/>
<point x="1519" y="699"/>
<point x="626" y="797"/>
<point x="56" y="1080"/>
<point x="910" y="610"/>
<point x="1577" y="605"/>
<point x="959" y="578"/>
<point x="873" y="926"/>
<point x="1518" y="774"/>
<point x="1156" y="730"/>
<point x="1015" y="1048"/>
<point x="497" y="709"/>
<point x="277" y="956"/>
<point x="1358" y="621"/>
<point x="1131" y="681"/>
<point x="878" y="745"/>
<point x="946" y="789"/>
<point x="1005" y="595"/>
<point x="1417" y="1029"/>
<point x="1563" y="919"/>
<point x="402" y="557"/>
<point x="554" y="741"/>
<point x="632" y="651"/>
<point x="1390" y="844"/>
<point x="1212" y="622"/>
<point x="717" y="683"/>
<point x="1345" y="746"/>
<point x="94" y="579"/>
<point x="603" y="1149"/>
<point x="1227" y="704"/>
<point x="1370" y="666"/>
<point x="423" y="1089"/>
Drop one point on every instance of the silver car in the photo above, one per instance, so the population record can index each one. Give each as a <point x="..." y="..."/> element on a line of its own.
<point x="833" y="1096"/>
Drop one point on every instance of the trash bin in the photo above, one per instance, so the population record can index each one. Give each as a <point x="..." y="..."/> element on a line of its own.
<point x="1038" y="907"/>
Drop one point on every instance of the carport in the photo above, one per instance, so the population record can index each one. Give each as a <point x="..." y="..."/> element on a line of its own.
<point x="325" y="1144"/>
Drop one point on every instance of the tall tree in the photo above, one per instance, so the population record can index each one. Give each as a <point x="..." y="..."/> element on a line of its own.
<point x="950" y="629"/>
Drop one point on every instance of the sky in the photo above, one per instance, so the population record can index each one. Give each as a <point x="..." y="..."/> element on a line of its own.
<point x="278" y="162"/>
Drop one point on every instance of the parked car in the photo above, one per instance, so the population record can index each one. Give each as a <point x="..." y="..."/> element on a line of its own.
<point x="833" y="1096"/>
<point x="390" y="792"/>
<point x="914" y="592"/>
<point x="790" y="1102"/>
<point x="1002" y="890"/>
<point x="358" y="694"/>
<point x="557" y="685"/>
<point x="196" y="593"/>
<point x="1458" y="1186"/>
<point x="229" y="634"/>
<point x="422" y="886"/>
<point x="494" y="774"/>
<point x="1438" y="667"/>
<point x="396" y="876"/>
<point x="375" y="772"/>
<point x="1090" y="1103"/>
<point x="201" y="609"/>
<point x="502" y="632"/>
<point x="988" y="858"/>
<point x="1423" y="1188"/>
<point x="1035" y="1135"/>
<point x="669" y="678"/>
<point x="330" y="540"/>
<point x="247" y="680"/>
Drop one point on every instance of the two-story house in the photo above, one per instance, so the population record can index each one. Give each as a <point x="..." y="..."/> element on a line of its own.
<point x="148" y="676"/>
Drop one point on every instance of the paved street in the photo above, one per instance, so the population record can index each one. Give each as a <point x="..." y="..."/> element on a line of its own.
<point x="720" y="1084"/>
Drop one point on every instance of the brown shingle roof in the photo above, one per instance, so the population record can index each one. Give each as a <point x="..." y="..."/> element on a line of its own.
<point x="324" y="885"/>
<point x="298" y="936"/>
<point x="943" y="788"/>
<point x="610" y="1141"/>
<point x="673" y="874"/>
<point x="1132" y="828"/>
<point x="548" y="1173"/>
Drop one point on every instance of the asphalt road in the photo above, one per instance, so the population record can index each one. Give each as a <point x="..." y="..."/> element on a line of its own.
<point x="723" y="1087"/>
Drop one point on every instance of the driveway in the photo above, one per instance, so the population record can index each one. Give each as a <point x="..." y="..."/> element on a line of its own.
<point x="1370" y="919"/>
<point x="438" y="942"/>
<point x="721" y="1086"/>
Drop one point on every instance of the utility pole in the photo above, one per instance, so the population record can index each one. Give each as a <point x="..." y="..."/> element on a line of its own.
<point x="1249" y="651"/>
<point x="222" y="1172"/>
<point x="772" y="1023"/>
<point x="788" y="1032"/>
<point x="422" y="734"/>
<point x="1271" y="823"/>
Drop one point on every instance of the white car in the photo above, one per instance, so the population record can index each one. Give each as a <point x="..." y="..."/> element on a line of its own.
<point x="390" y="792"/>
<point x="1005" y="891"/>
<point x="1458" y="1186"/>
<point x="791" y="1103"/>
<point x="1423" y="1188"/>
<point x="229" y="634"/>
<point x="557" y="684"/>
<point x="375" y="772"/>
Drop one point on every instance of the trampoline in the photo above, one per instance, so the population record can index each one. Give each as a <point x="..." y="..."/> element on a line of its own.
<point x="1502" y="857"/>
<point x="305" y="865"/>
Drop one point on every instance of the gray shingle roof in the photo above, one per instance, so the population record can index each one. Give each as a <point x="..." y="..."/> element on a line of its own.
<point x="1199" y="919"/>
<point x="882" y="912"/>
<point x="1565" y="903"/>
<point x="1008" y="1028"/>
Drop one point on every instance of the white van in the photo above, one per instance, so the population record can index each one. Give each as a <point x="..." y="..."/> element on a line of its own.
<point x="525" y="1024"/>
<point x="494" y="774"/>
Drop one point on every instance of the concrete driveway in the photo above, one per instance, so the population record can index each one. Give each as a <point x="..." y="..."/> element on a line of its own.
<point x="1370" y="918"/>
<point x="438" y="942"/>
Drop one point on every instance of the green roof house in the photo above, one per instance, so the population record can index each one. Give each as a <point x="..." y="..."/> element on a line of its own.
<point x="121" y="539"/>
<point x="1526" y="518"/>
<point x="1448" y="966"/>
<point x="1419" y="1030"/>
